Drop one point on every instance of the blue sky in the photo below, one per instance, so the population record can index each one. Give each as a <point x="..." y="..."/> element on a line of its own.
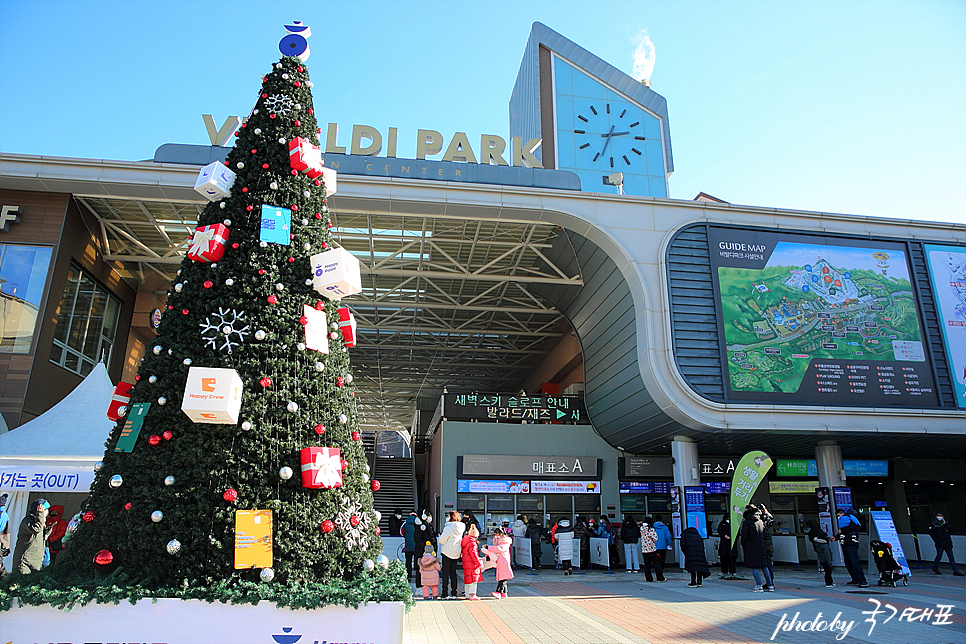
<point x="856" y="107"/>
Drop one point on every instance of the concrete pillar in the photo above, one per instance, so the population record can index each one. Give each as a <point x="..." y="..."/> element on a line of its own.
<point x="831" y="470"/>
<point x="687" y="471"/>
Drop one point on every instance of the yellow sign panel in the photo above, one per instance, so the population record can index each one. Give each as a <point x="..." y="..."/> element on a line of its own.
<point x="792" y="487"/>
<point x="253" y="539"/>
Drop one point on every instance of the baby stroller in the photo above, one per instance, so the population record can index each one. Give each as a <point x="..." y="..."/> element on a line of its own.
<point x="889" y="569"/>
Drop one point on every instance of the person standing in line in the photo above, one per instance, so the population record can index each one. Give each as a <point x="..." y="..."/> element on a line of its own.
<point x="630" y="535"/>
<point x="499" y="554"/>
<point x="606" y="531"/>
<point x="562" y="536"/>
<point x="768" y="520"/>
<point x="429" y="567"/>
<point x="753" y="544"/>
<point x="582" y="532"/>
<point x="428" y="531"/>
<point x="728" y="567"/>
<point x="470" y="519"/>
<point x="848" y="534"/>
<point x="519" y="531"/>
<point x="649" y="551"/>
<point x="695" y="561"/>
<point x="4" y="534"/>
<point x="450" y="547"/>
<point x="823" y="551"/>
<point x="396" y="523"/>
<point x="472" y="566"/>
<point x="664" y="541"/>
<point x="533" y="534"/>
<point x="412" y="532"/>
<point x="28" y="556"/>
<point x="943" y="538"/>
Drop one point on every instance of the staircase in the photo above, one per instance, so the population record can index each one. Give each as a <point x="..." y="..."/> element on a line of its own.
<point x="397" y="488"/>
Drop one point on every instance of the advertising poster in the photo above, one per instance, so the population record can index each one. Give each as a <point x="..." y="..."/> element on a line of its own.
<point x="694" y="509"/>
<point x="947" y="271"/>
<point x="885" y="530"/>
<point x="750" y="471"/>
<point x="676" y="511"/>
<point x="817" y="320"/>
<point x="565" y="487"/>
<point x="253" y="539"/>
<point x="495" y="486"/>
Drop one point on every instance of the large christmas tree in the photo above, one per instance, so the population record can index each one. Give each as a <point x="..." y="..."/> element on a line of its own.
<point x="162" y="511"/>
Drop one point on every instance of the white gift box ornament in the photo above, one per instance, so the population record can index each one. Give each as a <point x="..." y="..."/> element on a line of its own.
<point x="214" y="181"/>
<point x="336" y="273"/>
<point x="315" y="334"/>
<point x="212" y="395"/>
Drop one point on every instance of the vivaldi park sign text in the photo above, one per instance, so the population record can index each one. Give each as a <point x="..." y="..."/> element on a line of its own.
<point x="366" y="140"/>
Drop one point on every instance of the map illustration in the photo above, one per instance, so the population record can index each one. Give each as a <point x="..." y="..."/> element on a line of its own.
<point x="947" y="268"/>
<point x="811" y="303"/>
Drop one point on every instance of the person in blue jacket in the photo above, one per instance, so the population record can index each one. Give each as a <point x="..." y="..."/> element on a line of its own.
<point x="413" y="531"/>
<point x="848" y="535"/>
<point x="664" y="542"/>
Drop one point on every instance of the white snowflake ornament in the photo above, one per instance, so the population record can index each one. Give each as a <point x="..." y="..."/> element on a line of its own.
<point x="355" y="535"/>
<point x="227" y="327"/>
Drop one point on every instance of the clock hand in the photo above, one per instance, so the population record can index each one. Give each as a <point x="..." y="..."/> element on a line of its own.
<point x="607" y="137"/>
<point x="615" y="134"/>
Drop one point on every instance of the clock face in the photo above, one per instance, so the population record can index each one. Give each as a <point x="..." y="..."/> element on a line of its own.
<point x="610" y="134"/>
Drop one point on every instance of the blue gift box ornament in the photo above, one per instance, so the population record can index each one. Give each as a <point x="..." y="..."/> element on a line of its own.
<point x="276" y="225"/>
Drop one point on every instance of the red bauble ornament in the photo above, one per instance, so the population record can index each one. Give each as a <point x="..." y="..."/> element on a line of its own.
<point x="295" y="173"/>
<point x="208" y="284"/>
<point x="245" y="189"/>
<point x="89" y="516"/>
<point x="320" y="306"/>
<point x="291" y="259"/>
<point x="318" y="215"/>
<point x="264" y="95"/>
<point x="265" y="382"/>
<point x="272" y="299"/>
<point x="235" y="245"/>
<point x="170" y="307"/>
<point x="298" y="83"/>
<point x="303" y="320"/>
<point x="317" y="182"/>
<point x="320" y="429"/>
<point x="230" y="495"/>
<point x="325" y="245"/>
<point x="103" y="558"/>
<point x="356" y="436"/>
<point x="137" y="378"/>
<point x="184" y="311"/>
<point x="261" y="271"/>
<point x="330" y="224"/>
<point x="340" y="381"/>
<point x="167" y="435"/>
<point x="128" y="506"/>
<point x="300" y="68"/>
<point x="237" y="133"/>
<point x="264" y="166"/>
<point x="249" y="208"/>
<point x="271" y="116"/>
<point x="378" y="531"/>
<point x="297" y="123"/>
<point x="294" y="208"/>
<point x="244" y="125"/>
<point x="345" y="464"/>
<point x="375" y="485"/>
<point x="327" y="526"/>
<point x="311" y="111"/>
<point x="291" y="236"/>
<point x="254" y="150"/>
<point x="353" y="520"/>
<point x="154" y="439"/>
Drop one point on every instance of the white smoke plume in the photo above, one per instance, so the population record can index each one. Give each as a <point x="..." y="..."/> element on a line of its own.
<point x="645" y="55"/>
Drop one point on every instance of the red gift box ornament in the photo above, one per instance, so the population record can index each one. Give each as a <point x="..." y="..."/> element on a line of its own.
<point x="208" y="243"/>
<point x="347" y="324"/>
<point x="121" y="398"/>
<point x="305" y="157"/>
<point x="321" y="467"/>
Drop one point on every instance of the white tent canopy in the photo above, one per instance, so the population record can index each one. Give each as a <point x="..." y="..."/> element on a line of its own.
<point x="54" y="454"/>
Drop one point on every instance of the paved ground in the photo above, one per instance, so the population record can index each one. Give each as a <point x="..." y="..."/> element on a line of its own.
<point x="617" y="608"/>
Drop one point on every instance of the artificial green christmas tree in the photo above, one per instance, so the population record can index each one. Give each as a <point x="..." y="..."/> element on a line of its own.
<point x="161" y="516"/>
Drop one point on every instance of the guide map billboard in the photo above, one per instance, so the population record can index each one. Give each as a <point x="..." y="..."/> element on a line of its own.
<point x="947" y="270"/>
<point x="811" y="320"/>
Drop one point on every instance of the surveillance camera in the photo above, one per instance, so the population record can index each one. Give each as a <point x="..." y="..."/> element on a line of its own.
<point x="616" y="179"/>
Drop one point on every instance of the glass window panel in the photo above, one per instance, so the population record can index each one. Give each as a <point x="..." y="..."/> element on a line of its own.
<point x="474" y="502"/>
<point x="530" y="503"/>
<point x="56" y="353"/>
<point x="587" y="505"/>
<point x="66" y="308"/>
<point x="23" y="274"/>
<point x="82" y="308"/>
<point x="633" y="503"/>
<point x="95" y="323"/>
<point x="659" y="504"/>
<point x="499" y="503"/>
<point x="560" y="505"/>
<point x="111" y="316"/>
<point x="85" y="366"/>
<point x="71" y="360"/>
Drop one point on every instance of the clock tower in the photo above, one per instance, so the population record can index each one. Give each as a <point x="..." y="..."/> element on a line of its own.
<point x="594" y="120"/>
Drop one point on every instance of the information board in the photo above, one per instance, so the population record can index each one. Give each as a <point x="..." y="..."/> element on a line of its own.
<point x="808" y="467"/>
<point x="503" y="407"/>
<point x="842" y="497"/>
<point x="885" y="530"/>
<point x="494" y="486"/>
<point x="645" y="487"/>
<point x="947" y="271"/>
<point x="519" y="466"/>
<point x="818" y="320"/>
<point x="694" y="509"/>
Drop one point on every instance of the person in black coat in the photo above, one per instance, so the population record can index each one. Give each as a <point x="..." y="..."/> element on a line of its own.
<point x="753" y="544"/>
<point x="725" y="551"/>
<point x="395" y="523"/>
<point x="533" y="534"/>
<point x="942" y="537"/>
<point x="695" y="561"/>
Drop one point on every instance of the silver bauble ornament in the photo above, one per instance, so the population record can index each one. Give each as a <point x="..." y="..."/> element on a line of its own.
<point x="226" y="329"/>
<point x="116" y="480"/>
<point x="319" y="366"/>
<point x="285" y="76"/>
<point x="273" y="186"/>
<point x="246" y="425"/>
<point x="169" y="481"/>
<point x="263" y="244"/>
<point x="170" y="352"/>
<point x="285" y="473"/>
<point x="254" y="111"/>
<point x="343" y="419"/>
<point x="162" y="400"/>
<point x="122" y="410"/>
<point x="307" y="246"/>
<point x="305" y="222"/>
<point x="298" y="106"/>
<point x="157" y="350"/>
<point x="187" y="362"/>
<point x="308" y="282"/>
<point x="222" y="205"/>
<point x="152" y="379"/>
<point x="300" y="346"/>
<point x="260" y="335"/>
<point x="239" y="165"/>
<point x="258" y="130"/>
<point x="292" y="407"/>
<point x="227" y="222"/>
<point x="307" y="194"/>
<point x="266" y="575"/>
<point x="348" y="378"/>
<point x="279" y="287"/>
<point x="369" y="565"/>
<point x="334" y="326"/>
<point x="174" y="547"/>
<point x="178" y="287"/>
<point x="282" y="140"/>
<point x="229" y="282"/>
<point x="334" y="335"/>
<point x="98" y="465"/>
<point x="378" y="516"/>
<point x="157" y="515"/>
<point x="213" y="265"/>
<point x="382" y="561"/>
<point x="365" y="478"/>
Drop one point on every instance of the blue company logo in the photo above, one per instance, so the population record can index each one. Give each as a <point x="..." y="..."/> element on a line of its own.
<point x="286" y="639"/>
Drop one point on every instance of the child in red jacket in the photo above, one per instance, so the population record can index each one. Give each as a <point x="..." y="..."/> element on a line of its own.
<point x="472" y="566"/>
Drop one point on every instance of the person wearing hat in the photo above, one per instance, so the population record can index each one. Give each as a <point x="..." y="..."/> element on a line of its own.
<point x="429" y="567"/>
<point x="31" y="538"/>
